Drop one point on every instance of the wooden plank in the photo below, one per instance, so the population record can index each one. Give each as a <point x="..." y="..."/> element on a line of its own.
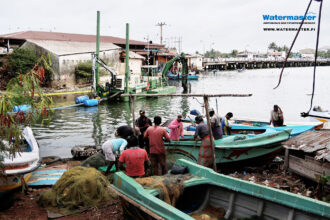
<point x="308" y="168"/>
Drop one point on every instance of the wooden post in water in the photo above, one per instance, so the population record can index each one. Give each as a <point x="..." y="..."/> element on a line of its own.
<point x="131" y="99"/>
<point x="206" y="105"/>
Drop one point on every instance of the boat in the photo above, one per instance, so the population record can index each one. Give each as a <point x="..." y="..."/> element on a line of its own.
<point x="320" y="115"/>
<point x="179" y="76"/>
<point x="19" y="167"/>
<point x="241" y="70"/>
<point x="242" y="148"/>
<point x="207" y="190"/>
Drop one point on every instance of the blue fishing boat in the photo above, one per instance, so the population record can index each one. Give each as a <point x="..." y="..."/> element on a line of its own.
<point x="179" y="76"/>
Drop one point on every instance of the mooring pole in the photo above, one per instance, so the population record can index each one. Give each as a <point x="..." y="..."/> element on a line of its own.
<point x="97" y="52"/>
<point x="131" y="99"/>
<point x="206" y="105"/>
<point x="127" y="70"/>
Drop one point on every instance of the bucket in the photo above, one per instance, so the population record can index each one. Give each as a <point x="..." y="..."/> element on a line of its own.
<point x="81" y="99"/>
<point x="91" y="102"/>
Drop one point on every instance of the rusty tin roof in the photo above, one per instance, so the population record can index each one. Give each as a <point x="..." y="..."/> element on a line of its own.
<point x="317" y="142"/>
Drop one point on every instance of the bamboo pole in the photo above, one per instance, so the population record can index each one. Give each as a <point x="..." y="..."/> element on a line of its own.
<point x="206" y="104"/>
<point x="131" y="99"/>
<point x="187" y="95"/>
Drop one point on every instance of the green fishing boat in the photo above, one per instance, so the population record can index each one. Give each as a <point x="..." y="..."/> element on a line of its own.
<point x="207" y="190"/>
<point x="234" y="148"/>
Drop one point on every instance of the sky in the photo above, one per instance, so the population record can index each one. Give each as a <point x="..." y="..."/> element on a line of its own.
<point x="223" y="25"/>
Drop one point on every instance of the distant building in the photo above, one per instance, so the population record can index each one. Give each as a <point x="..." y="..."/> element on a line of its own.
<point x="195" y="61"/>
<point x="307" y="53"/>
<point x="245" y="54"/>
<point x="67" y="50"/>
<point x="276" y="54"/>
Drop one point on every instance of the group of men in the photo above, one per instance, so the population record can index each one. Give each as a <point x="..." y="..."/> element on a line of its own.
<point x="149" y="142"/>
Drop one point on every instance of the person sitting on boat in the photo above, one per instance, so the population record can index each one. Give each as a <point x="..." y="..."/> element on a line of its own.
<point x="176" y="129"/>
<point x="215" y="125"/>
<point x="143" y="123"/>
<point x="202" y="132"/>
<point x="276" y="116"/>
<point x="135" y="158"/>
<point x="156" y="134"/>
<point x="226" y="128"/>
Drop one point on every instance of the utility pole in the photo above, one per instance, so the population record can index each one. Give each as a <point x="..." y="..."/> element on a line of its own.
<point x="161" y="24"/>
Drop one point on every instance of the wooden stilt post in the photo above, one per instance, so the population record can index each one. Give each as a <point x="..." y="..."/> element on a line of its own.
<point x="286" y="159"/>
<point x="206" y="105"/>
<point x="131" y="99"/>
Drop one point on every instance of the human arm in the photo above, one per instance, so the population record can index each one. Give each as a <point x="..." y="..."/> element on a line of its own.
<point x="111" y="163"/>
<point x="181" y="130"/>
<point x="123" y="146"/>
<point x="173" y="125"/>
<point x="166" y="136"/>
<point x="122" y="160"/>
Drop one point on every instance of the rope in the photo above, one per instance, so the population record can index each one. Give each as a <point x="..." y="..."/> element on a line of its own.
<point x="304" y="114"/>
<point x="294" y="40"/>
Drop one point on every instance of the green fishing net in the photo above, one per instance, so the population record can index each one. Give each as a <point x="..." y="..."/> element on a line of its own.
<point x="78" y="188"/>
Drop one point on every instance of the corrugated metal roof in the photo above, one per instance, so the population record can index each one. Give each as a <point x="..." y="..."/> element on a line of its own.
<point x="67" y="47"/>
<point x="317" y="142"/>
<point x="56" y="36"/>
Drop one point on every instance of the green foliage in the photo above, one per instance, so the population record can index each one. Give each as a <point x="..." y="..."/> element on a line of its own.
<point x="23" y="89"/>
<point x="273" y="46"/>
<point x="84" y="71"/>
<point x="324" y="54"/>
<point x="21" y="61"/>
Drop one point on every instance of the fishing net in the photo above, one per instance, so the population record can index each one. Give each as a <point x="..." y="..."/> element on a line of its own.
<point x="96" y="161"/>
<point x="210" y="213"/>
<point x="78" y="188"/>
<point x="169" y="187"/>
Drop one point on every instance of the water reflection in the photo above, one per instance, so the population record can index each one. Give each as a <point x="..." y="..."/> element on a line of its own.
<point x="94" y="125"/>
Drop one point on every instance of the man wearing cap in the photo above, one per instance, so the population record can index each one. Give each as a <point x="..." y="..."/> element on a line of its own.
<point x="143" y="123"/>
<point x="176" y="129"/>
<point x="215" y="125"/>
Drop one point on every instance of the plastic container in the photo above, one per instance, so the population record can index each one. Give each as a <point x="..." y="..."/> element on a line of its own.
<point x="195" y="112"/>
<point x="91" y="102"/>
<point x="81" y="99"/>
<point x="23" y="108"/>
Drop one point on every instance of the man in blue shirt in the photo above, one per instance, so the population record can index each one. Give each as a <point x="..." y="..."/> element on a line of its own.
<point x="226" y="128"/>
<point x="112" y="149"/>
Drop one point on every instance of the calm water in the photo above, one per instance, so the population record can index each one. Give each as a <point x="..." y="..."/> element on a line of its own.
<point x="94" y="125"/>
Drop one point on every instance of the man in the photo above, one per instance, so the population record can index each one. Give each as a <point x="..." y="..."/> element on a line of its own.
<point x="157" y="150"/>
<point x="205" y="157"/>
<point x="176" y="129"/>
<point x="276" y="116"/>
<point x="135" y="158"/>
<point x="143" y="123"/>
<point x="215" y="124"/>
<point x="226" y="128"/>
<point x="111" y="150"/>
<point x="126" y="131"/>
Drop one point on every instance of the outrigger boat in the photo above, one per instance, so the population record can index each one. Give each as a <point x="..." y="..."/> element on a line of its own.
<point x="19" y="167"/>
<point x="206" y="189"/>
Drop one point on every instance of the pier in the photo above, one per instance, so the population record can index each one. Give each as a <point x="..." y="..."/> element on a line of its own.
<point x="260" y="63"/>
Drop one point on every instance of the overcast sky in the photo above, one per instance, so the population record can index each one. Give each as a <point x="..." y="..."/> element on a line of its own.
<point x="220" y="24"/>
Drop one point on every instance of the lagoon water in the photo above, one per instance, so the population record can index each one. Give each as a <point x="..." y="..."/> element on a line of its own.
<point x="95" y="125"/>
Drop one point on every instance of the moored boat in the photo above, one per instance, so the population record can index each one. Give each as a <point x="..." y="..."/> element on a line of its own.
<point x="179" y="76"/>
<point x="207" y="190"/>
<point x="18" y="167"/>
<point x="234" y="148"/>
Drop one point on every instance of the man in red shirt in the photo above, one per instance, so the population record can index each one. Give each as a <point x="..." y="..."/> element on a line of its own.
<point x="157" y="150"/>
<point x="135" y="158"/>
